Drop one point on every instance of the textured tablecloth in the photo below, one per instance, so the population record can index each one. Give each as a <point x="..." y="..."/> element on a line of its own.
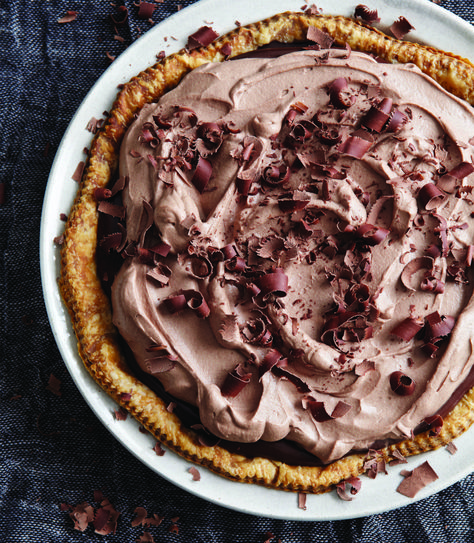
<point x="53" y="450"/>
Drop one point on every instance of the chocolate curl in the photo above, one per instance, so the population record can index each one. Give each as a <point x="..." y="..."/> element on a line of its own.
<point x="319" y="413"/>
<point x="211" y="135"/>
<point x="449" y="181"/>
<point x="401" y="27"/>
<point x="366" y="14"/>
<point x="174" y="304"/>
<point x="243" y="186"/>
<point x="276" y="174"/>
<point x="442" y="229"/>
<point x="275" y="283"/>
<point x="113" y="210"/>
<point x="430" y="197"/>
<point x="370" y="234"/>
<point x="236" y="265"/>
<point x="269" y="360"/>
<point x="201" y="38"/>
<point x="229" y="251"/>
<point x="202" y="174"/>
<point x="256" y="332"/>
<point x="353" y="484"/>
<point x="401" y="384"/>
<point x="196" y="301"/>
<point x="161" y="274"/>
<point x="407" y="329"/>
<point x="338" y="95"/>
<point x="121" y="17"/>
<point x="397" y="120"/>
<point x="438" y="326"/>
<point x="415" y="265"/>
<point x="235" y="381"/>
<point x="101" y="193"/>
<point x="377" y="116"/>
<point x="356" y="145"/>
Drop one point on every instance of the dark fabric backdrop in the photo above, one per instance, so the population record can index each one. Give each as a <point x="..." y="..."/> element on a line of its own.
<point x="52" y="448"/>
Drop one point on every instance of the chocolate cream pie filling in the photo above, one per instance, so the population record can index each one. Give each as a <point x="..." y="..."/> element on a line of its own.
<point x="269" y="260"/>
<point x="297" y="249"/>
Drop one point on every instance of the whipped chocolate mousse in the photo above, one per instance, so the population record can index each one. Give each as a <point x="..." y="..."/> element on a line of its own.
<point x="298" y="249"/>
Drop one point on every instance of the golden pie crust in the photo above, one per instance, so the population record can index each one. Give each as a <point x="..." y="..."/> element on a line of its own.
<point x="90" y="308"/>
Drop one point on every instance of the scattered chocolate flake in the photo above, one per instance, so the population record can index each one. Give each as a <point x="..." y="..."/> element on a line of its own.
<point x="364" y="367"/>
<point x="401" y="27"/>
<point x="235" y="381"/>
<point x="69" y="17"/>
<point x="398" y="458"/>
<point x="352" y="484"/>
<point x="416" y="480"/>
<point x="101" y="193"/>
<point x="451" y="448"/>
<point x="226" y="50"/>
<point x="77" y="175"/>
<point x="302" y="501"/>
<point x="141" y="514"/>
<point x="323" y="39"/>
<point x="82" y="515"/>
<point x="105" y="520"/>
<point x="59" y="240"/>
<point x="195" y="473"/>
<point x="320" y="414"/>
<point x="159" y="449"/>
<point x="201" y="38"/>
<point x="63" y="217"/>
<point x="94" y="125"/>
<point x="145" y="10"/>
<point x="402" y="384"/>
<point x="54" y="385"/>
<point x="438" y="326"/>
<point x="125" y="396"/>
<point x="120" y="413"/>
<point x="110" y="56"/>
<point x="366" y="14"/>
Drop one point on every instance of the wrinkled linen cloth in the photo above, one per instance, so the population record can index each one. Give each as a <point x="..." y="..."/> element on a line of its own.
<point x="53" y="449"/>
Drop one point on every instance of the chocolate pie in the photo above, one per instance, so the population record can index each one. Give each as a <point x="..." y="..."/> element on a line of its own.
<point x="268" y="262"/>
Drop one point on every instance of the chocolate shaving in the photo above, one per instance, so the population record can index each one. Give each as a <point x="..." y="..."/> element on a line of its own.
<point x="201" y="38"/>
<point x="401" y="384"/>
<point x="302" y="501"/>
<point x="195" y="473"/>
<point x="161" y="273"/>
<point x="366" y="14"/>
<point x="69" y="17"/>
<point x="356" y="145"/>
<point x="323" y="39"/>
<point x="145" y="10"/>
<point x="451" y="448"/>
<point x="77" y="175"/>
<point x="275" y="283"/>
<point x="352" y="484"/>
<point x="202" y="174"/>
<point x="430" y="197"/>
<point x="235" y="381"/>
<point x="320" y="414"/>
<point x="438" y="326"/>
<point x="339" y="95"/>
<point x="407" y="329"/>
<point x="414" y="266"/>
<point x="269" y="360"/>
<point x="377" y="116"/>
<point x="54" y="385"/>
<point x="113" y="210"/>
<point x="401" y="27"/>
<point x="195" y="300"/>
<point x="416" y="480"/>
<point x="174" y="304"/>
<point x="370" y="234"/>
<point x="397" y="120"/>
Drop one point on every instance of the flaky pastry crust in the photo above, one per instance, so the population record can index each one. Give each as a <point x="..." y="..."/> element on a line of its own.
<point x="90" y="308"/>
